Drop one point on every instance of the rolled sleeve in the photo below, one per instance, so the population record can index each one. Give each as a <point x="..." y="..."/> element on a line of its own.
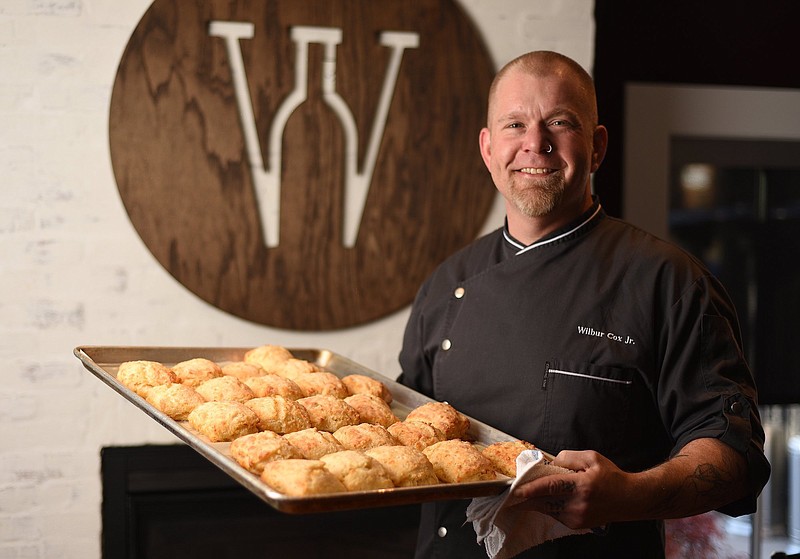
<point x="721" y="401"/>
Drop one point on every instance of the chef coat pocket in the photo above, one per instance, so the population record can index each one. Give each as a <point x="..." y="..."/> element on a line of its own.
<point x="589" y="407"/>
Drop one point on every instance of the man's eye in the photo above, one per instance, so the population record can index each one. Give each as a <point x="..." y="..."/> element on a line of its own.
<point x="515" y="125"/>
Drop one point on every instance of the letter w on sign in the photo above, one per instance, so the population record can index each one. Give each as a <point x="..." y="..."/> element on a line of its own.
<point x="267" y="178"/>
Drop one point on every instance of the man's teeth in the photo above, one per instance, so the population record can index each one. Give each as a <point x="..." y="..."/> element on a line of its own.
<point x="534" y="170"/>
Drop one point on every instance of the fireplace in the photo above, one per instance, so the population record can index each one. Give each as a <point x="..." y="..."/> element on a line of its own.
<point x="167" y="501"/>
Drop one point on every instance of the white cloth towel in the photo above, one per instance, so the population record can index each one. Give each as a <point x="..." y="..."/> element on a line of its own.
<point x="508" y="532"/>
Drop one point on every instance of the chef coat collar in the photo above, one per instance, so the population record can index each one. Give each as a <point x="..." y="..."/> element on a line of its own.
<point x="586" y="218"/>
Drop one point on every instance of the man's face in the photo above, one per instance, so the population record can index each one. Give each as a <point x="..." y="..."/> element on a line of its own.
<point x="529" y="116"/>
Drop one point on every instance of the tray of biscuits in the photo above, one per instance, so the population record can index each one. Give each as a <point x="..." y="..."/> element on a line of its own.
<point x="308" y="430"/>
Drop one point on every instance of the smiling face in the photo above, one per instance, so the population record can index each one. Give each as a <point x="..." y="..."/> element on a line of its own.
<point x="541" y="145"/>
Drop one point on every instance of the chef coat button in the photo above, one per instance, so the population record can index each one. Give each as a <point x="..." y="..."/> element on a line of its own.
<point x="442" y="531"/>
<point x="736" y="408"/>
<point x="446" y="344"/>
<point x="459" y="293"/>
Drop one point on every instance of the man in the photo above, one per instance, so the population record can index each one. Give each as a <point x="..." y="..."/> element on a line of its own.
<point x="585" y="336"/>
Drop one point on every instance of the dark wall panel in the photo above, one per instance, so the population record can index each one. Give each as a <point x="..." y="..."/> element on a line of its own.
<point x="713" y="42"/>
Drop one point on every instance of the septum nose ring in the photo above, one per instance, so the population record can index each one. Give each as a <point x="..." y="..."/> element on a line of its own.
<point x="549" y="148"/>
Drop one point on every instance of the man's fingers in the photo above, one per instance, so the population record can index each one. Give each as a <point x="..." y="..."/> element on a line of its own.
<point x="560" y="485"/>
<point x="574" y="460"/>
<point x="547" y="486"/>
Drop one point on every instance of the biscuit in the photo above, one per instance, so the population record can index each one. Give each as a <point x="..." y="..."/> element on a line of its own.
<point x="416" y="434"/>
<point x="320" y="383"/>
<point x="357" y="471"/>
<point x="140" y="376"/>
<point x="364" y="436"/>
<point x="254" y="450"/>
<point x="271" y="384"/>
<point x="196" y="371"/>
<point x="443" y="416"/>
<point x="243" y="370"/>
<point x="313" y="443"/>
<point x="372" y="409"/>
<point x="406" y="466"/>
<point x="299" y="477"/>
<point x="456" y="461"/>
<point x="503" y="455"/>
<point x="176" y="400"/>
<point x="279" y="414"/>
<point x="223" y="421"/>
<point x="362" y="384"/>
<point x="268" y="357"/>
<point x="294" y="367"/>
<point x="225" y="389"/>
<point x="329" y="413"/>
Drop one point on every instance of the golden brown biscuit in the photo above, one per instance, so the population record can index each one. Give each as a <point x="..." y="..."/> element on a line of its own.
<point x="292" y="368"/>
<point x="176" y="400"/>
<point x="321" y="383"/>
<point x="406" y="466"/>
<point x="223" y="421"/>
<point x="140" y="376"/>
<point x="362" y="384"/>
<point x="443" y="416"/>
<point x="364" y="436"/>
<point x="329" y="413"/>
<point x="243" y="370"/>
<point x="503" y="455"/>
<point x="416" y="434"/>
<point x="357" y="471"/>
<point x="196" y="371"/>
<point x="279" y="414"/>
<point x="372" y="409"/>
<point x="313" y="443"/>
<point x="225" y="389"/>
<point x="254" y="450"/>
<point x="271" y="384"/>
<point x="269" y="357"/>
<point x="456" y="461"/>
<point x="299" y="477"/>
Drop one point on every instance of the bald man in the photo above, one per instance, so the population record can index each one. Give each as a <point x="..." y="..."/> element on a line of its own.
<point x="586" y="336"/>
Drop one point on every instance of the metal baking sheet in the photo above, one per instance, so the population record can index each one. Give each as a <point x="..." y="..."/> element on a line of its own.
<point x="103" y="362"/>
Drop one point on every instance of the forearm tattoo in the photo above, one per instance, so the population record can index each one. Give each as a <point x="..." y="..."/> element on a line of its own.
<point x="710" y="482"/>
<point x="707" y="487"/>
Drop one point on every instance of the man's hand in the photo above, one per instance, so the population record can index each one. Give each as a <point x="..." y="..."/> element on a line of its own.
<point x="587" y="499"/>
<point x="705" y="475"/>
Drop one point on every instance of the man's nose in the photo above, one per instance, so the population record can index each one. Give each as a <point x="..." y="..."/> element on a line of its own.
<point x="537" y="141"/>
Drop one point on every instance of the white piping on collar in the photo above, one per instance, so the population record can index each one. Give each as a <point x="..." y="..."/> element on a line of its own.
<point x="524" y="248"/>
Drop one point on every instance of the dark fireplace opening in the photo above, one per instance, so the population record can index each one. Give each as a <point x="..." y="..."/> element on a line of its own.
<point x="167" y="501"/>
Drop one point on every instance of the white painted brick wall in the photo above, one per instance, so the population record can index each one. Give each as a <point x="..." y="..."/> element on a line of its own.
<point x="73" y="270"/>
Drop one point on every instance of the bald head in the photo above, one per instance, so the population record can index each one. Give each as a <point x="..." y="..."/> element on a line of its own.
<point x="546" y="64"/>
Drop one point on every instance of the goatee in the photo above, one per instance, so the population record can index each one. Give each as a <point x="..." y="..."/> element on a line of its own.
<point x="539" y="200"/>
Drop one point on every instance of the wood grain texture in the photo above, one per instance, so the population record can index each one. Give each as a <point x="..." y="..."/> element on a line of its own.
<point x="181" y="165"/>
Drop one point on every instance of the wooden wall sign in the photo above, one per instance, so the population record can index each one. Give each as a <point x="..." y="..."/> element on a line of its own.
<point x="302" y="164"/>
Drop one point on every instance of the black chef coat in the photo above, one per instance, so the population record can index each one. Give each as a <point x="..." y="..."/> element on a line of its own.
<point x="599" y="336"/>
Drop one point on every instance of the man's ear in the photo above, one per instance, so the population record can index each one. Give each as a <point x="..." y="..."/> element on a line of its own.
<point x="599" y="146"/>
<point x="485" y="141"/>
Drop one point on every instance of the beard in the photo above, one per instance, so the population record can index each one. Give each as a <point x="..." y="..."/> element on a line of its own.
<point x="539" y="200"/>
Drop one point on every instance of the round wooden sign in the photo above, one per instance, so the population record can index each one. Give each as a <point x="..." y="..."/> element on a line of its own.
<point x="302" y="164"/>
